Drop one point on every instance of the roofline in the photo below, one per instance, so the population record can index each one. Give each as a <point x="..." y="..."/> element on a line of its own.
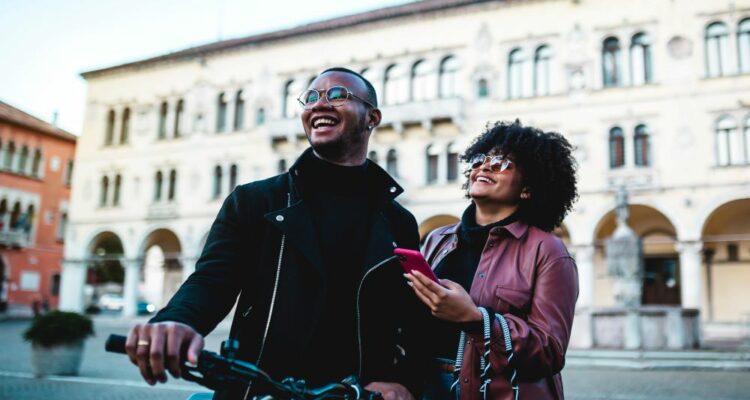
<point x="398" y="11"/>
<point x="38" y="125"/>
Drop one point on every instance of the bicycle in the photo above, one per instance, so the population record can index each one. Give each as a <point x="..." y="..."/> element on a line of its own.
<point x="216" y="372"/>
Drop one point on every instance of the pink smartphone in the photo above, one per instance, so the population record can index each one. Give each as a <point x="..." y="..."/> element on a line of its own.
<point x="411" y="260"/>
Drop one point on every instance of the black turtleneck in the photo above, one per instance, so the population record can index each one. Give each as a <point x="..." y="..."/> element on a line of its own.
<point x="460" y="266"/>
<point x="340" y="203"/>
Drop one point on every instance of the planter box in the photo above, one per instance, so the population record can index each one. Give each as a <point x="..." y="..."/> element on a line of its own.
<point x="57" y="360"/>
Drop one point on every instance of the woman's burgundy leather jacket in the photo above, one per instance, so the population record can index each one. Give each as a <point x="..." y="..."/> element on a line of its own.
<point x="527" y="275"/>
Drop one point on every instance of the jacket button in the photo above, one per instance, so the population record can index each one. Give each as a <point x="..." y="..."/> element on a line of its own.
<point x="466" y="380"/>
<point x="394" y="244"/>
<point x="279" y="218"/>
<point x="393" y="189"/>
<point x="481" y="275"/>
<point x="491" y="245"/>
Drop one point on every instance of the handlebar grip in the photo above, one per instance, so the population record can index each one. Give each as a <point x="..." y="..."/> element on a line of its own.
<point x="115" y="344"/>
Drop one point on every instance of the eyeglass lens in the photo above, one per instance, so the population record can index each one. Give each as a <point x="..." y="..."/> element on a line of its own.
<point x="335" y="96"/>
<point x="497" y="163"/>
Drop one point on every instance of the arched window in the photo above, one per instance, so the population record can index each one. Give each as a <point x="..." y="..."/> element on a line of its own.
<point x="420" y="81"/>
<point x="239" y="111"/>
<point x="172" y="185"/>
<point x="483" y="89"/>
<point x="217" y="182"/>
<point x="290" y="105"/>
<point x="515" y="73"/>
<point x="729" y="147"/>
<point x="611" y="62"/>
<point x="163" y="108"/>
<point x="448" y="79"/>
<point x="393" y="85"/>
<point x="23" y="158"/>
<point x="391" y="163"/>
<point x="452" y="161"/>
<point x="103" y="192"/>
<point x="221" y="113"/>
<point x="743" y="45"/>
<point x="281" y="166"/>
<point x="232" y="177"/>
<point x="116" y="191"/>
<point x="125" y="128"/>
<point x="15" y="216"/>
<point x="62" y="225"/>
<point x="110" y="132"/>
<point x="158" y="182"/>
<point x="10" y="153"/>
<point x="642" y="146"/>
<point x="373" y="156"/>
<point x="178" y="116"/>
<point x="542" y="70"/>
<point x="3" y="211"/>
<point x="36" y="163"/>
<point x="717" y="52"/>
<point x="260" y="117"/>
<point x="640" y="59"/>
<point x="432" y="164"/>
<point x="616" y="147"/>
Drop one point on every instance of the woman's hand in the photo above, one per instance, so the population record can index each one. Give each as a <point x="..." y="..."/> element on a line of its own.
<point x="449" y="302"/>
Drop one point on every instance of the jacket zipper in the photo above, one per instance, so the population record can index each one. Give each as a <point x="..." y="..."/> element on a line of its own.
<point x="359" y="319"/>
<point x="273" y="300"/>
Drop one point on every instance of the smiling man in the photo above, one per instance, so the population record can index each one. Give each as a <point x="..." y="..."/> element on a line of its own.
<point x="308" y="252"/>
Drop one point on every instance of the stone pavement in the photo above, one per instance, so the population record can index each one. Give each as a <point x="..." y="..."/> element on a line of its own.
<point x="106" y="376"/>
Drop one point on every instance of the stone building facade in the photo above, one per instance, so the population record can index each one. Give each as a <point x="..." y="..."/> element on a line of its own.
<point x="653" y="94"/>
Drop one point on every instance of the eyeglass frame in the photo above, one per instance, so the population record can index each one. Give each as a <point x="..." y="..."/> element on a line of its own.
<point x="348" y="93"/>
<point x="504" y="161"/>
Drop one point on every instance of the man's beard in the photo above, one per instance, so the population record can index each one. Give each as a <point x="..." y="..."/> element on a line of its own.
<point x="342" y="147"/>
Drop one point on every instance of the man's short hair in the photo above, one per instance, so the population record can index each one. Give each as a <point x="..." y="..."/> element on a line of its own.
<point x="371" y="95"/>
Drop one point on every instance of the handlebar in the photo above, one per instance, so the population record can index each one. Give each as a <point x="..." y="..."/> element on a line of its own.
<point x="217" y="372"/>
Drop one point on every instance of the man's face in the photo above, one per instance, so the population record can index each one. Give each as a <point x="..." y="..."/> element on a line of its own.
<point x="338" y="133"/>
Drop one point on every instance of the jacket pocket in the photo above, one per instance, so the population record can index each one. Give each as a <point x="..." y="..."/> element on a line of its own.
<point x="513" y="301"/>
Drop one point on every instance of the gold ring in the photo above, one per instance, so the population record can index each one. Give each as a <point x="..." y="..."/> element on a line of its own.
<point x="144" y="343"/>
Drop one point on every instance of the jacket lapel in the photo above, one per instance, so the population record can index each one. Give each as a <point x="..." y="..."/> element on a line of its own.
<point x="296" y="223"/>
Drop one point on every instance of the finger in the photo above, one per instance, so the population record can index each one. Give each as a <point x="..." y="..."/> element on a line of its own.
<point x="429" y="283"/>
<point x="156" y="353"/>
<point x="142" y="354"/>
<point x="424" y="299"/>
<point x="196" y="346"/>
<point x="450" y="284"/>
<point x="420" y="286"/>
<point x="175" y="337"/>
<point x="130" y="343"/>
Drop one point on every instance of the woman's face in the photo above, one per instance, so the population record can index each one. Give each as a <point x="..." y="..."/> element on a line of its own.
<point x="488" y="183"/>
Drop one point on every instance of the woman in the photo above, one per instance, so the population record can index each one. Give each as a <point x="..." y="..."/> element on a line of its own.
<point x="506" y="279"/>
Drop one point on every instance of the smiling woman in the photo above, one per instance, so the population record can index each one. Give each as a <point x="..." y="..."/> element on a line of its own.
<point x="522" y="183"/>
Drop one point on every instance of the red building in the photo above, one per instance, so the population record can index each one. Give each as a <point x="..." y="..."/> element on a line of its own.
<point x="36" y="162"/>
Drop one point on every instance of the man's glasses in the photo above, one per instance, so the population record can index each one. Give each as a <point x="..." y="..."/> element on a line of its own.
<point x="498" y="163"/>
<point x="335" y="96"/>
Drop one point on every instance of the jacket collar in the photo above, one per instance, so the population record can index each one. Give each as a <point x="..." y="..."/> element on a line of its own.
<point x="517" y="229"/>
<point x="384" y="186"/>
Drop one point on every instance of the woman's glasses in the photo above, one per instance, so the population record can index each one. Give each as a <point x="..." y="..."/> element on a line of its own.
<point x="498" y="163"/>
<point x="335" y="96"/>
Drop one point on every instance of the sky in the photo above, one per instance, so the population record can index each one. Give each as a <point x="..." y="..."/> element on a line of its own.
<point x="46" y="44"/>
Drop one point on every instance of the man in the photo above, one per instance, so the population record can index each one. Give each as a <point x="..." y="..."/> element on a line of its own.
<point x="308" y="252"/>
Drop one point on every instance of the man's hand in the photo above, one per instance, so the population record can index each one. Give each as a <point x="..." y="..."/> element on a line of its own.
<point x="150" y="345"/>
<point x="390" y="390"/>
<point x="449" y="302"/>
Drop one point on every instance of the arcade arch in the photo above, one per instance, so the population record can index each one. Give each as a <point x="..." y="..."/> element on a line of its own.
<point x="105" y="274"/>
<point x="161" y="251"/>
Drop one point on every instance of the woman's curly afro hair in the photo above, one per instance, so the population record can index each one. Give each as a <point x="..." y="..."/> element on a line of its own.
<point x="546" y="163"/>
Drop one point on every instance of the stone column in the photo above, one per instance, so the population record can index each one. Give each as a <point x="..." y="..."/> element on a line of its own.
<point x="130" y="290"/>
<point x="691" y="281"/>
<point x="584" y="256"/>
<point x="72" y="284"/>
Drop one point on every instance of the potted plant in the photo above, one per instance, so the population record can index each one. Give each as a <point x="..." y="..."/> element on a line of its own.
<point x="57" y="342"/>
